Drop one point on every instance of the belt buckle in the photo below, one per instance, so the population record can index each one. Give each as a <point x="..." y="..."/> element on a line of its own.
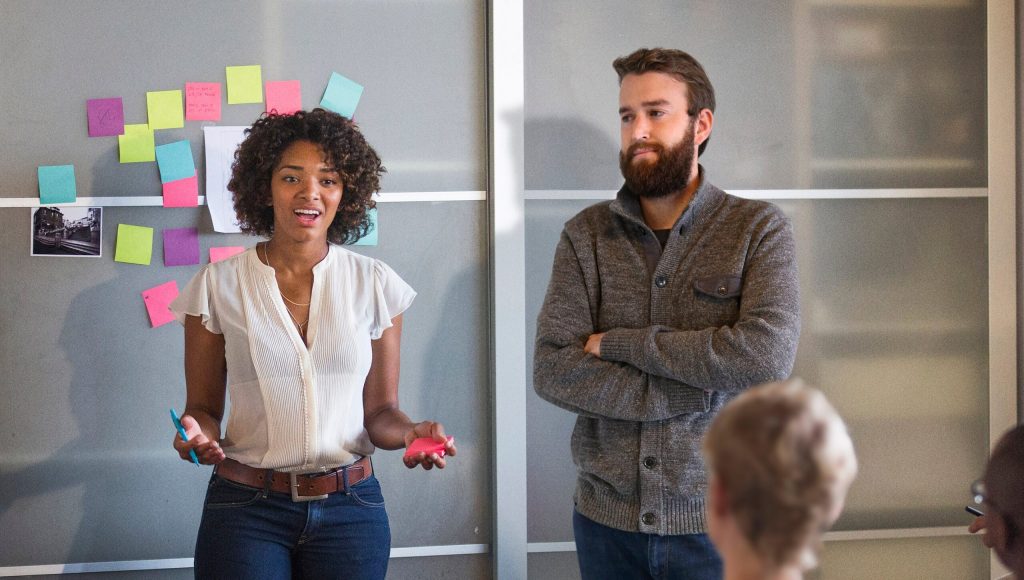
<point x="294" y="485"/>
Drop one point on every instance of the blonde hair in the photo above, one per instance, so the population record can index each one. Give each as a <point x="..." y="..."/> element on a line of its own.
<point x="785" y="461"/>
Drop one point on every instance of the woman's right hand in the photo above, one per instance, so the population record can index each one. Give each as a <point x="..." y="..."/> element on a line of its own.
<point x="207" y="451"/>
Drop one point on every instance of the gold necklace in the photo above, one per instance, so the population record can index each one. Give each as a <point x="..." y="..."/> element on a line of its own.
<point x="266" y="254"/>
<point x="300" y="325"/>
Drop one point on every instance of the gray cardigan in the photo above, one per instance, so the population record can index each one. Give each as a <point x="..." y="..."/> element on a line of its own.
<point x="688" y="327"/>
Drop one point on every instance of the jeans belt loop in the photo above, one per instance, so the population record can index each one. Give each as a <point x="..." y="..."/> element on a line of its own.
<point x="268" y="481"/>
<point x="344" y="478"/>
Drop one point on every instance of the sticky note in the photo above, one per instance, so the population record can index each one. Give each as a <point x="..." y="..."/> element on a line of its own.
<point x="134" y="244"/>
<point x="284" y="97"/>
<point x="202" y="101"/>
<point x="175" y="161"/>
<point x="181" y="247"/>
<point x="137" y="144"/>
<point x="245" y="84"/>
<point x="182" y="193"/>
<point x="158" y="300"/>
<point x="370" y="239"/>
<point x="219" y="253"/>
<point x="342" y="95"/>
<point x="57" y="184"/>
<point x="106" y="117"/>
<point x="165" y="110"/>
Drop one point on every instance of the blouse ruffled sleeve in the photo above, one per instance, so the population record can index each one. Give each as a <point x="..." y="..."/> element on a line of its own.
<point x="197" y="300"/>
<point x="392" y="296"/>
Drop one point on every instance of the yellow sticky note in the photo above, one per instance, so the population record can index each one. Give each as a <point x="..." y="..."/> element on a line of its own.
<point x="134" y="244"/>
<point x="245" y="84"/>
<point x="165" y="110"/>
<point x="137" y="144"/>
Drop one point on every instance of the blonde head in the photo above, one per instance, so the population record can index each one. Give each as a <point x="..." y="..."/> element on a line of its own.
<point x="784" y="460"/>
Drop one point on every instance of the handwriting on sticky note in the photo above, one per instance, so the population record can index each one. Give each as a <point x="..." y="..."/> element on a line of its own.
<point x="106" y="117"/>
<point x="202" y="101"/>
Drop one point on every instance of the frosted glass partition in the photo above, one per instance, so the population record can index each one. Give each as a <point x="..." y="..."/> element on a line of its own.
<point x="894" y="330"/>
<point x="811" y="93"/>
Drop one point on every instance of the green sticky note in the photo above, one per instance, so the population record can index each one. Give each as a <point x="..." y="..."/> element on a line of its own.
<point x="165" y="110"/>
<point x="245" y="84"/>
<point x="137" y="144"/>
<point x="134" y="244"/>
<point x="370" y="239"/>
<point x="57" y="184"/>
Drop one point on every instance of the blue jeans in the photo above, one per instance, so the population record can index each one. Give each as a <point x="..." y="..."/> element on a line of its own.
<point x="248" y="534"/>
<point x="605" y="552"/>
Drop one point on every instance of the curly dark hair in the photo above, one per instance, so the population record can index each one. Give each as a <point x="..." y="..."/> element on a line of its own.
<point x="346" y="150"/>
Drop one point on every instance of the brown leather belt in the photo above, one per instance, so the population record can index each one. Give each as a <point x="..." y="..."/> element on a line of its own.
<point x="305" y="487"/>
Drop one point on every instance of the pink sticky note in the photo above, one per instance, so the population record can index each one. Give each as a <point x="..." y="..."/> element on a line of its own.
<point x="202" y="101"/>
<point x="224" y="252"/>
<point x="426" y="445"/>
<point x="284" y="97"/>
<point x="182" y="192"/>
<point x="181" y="247"/>
<point x="106" y="117"/>
<point x="157" y="300"/>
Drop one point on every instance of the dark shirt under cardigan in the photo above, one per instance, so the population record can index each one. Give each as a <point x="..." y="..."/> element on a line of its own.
<point x="687" y="328"/>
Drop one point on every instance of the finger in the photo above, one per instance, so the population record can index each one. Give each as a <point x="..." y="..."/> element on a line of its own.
<point x="439" y="462"/>
<point x="449" y="447"/>
<point x="437" y="432"/>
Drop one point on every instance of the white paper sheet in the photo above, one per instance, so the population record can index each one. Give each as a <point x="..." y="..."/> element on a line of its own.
<point x="221" y="143"/>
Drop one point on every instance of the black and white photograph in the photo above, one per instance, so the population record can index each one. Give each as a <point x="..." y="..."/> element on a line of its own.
<point x="67" y="231"/>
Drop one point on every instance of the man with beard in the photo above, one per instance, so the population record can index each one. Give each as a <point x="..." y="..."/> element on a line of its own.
<point x="663" y="304"/>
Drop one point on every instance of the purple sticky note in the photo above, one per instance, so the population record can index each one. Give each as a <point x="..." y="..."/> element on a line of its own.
<point x="157" y="300"/>
<point x="106" y="117"/>
<point x="181" y="247"/>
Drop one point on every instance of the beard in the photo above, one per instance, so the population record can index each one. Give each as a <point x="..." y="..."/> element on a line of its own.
<point x="669" y="173"/>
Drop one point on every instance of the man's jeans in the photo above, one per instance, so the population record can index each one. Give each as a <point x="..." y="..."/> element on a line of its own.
<point x="605" y="552"/>
<point x="246" y="535"/>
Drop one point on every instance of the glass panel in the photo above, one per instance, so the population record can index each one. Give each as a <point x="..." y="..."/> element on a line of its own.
<point x="810" y="93"/>
<point x="894" y="296"/>
<point x="910" y="559"/>
<point x="895" y="327"/>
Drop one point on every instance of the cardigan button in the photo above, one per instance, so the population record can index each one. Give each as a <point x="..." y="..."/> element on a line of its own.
<point x="650" y="462"/>
<point x="660" y="281"/>
<point x="648" y="519"/>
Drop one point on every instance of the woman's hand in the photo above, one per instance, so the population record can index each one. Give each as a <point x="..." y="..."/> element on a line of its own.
<point x="435" y="431"/>
<point x="207" y="451"/>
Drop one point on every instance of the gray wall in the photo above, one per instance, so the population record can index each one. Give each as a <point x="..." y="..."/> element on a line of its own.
<point x="87" y="473"/>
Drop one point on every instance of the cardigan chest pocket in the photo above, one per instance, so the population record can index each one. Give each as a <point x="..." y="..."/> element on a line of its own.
<point x="721" y="286"/>
<point x="716" y="300"/>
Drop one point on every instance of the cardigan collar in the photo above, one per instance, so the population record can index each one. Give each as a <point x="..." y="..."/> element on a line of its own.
<point x="627" y="204"/>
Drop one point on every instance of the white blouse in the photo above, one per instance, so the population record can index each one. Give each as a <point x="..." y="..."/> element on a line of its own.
<point x="294" y="408"/>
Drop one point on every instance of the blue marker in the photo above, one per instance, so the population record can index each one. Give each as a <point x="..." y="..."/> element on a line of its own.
<point x="184" y="437"/>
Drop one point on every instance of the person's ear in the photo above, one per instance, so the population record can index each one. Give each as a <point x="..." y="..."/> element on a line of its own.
<point x="705" y="120"/>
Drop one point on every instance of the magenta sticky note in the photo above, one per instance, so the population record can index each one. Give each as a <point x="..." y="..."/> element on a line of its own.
<point x="426" y="445"/>
<point x="182" y="193"/>
<point x="202" y="101"/>
<point x="283" y="97"/>
<point x="157" y="300"/>
<point x="106" y="117"/>
<point x="181" y="247"/>
<point x="219" y="253"/>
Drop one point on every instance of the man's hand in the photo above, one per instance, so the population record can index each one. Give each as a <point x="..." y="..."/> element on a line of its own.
<point x="593" y="345"/>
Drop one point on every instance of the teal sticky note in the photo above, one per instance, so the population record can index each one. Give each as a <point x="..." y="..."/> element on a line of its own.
<point x="57" y="184"/>
<point x="342" y="95"/>
<point x="370" y="239"/>
<point x="175" y="161"/>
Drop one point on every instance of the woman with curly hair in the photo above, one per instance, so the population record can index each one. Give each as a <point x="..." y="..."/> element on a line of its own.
<point x="304" y="338"/>
<point x="781" y="462"/>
